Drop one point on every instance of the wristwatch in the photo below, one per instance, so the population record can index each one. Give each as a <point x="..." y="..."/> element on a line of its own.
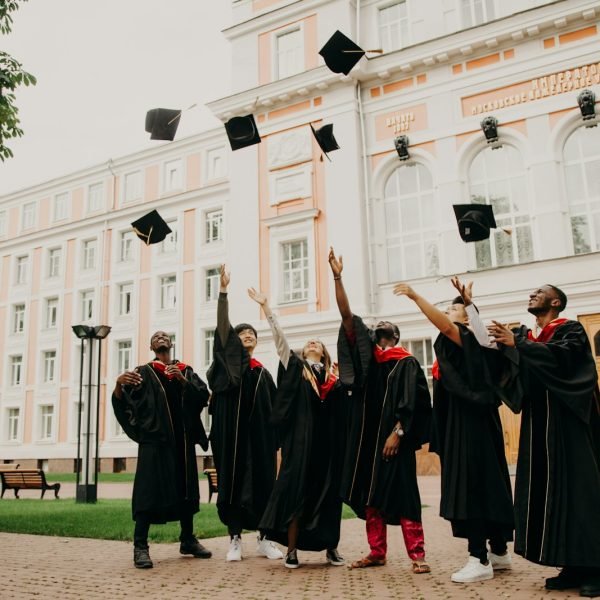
<point x="399" y="431"/>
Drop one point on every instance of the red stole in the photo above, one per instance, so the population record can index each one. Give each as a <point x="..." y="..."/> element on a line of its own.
<point x="326" y="387"/>
<point x="435" y="370"/>
<point x="160" y="367"/>
<point x="255" y="364"/>
<point x="546" y="334"/>
<point x="395" y="353"/>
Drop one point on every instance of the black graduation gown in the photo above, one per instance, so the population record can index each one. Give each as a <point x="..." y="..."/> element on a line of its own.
<point x="165" y="422"/>
<point x="243" y="441"/>
<point x="311" y="433"/>
<point x="467" y="435"/>
<point x="557" y="492"/>
<point x="381" y="394"/>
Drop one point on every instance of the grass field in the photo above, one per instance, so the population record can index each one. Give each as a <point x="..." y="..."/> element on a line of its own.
<point x="107" y="520"/>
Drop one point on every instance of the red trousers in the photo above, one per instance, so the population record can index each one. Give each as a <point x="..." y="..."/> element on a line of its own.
<point x="412" y="531"/>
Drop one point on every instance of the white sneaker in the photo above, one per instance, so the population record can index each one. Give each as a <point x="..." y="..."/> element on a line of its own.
<point x="500" y="562"/>
<point x="235" y="549"/>
<point x="267" y="548"/>
<point x="473" y="571"/>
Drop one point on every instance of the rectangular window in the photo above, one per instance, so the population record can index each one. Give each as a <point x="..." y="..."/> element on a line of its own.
<point x="212" y="278"/>
<point x="290" y="53"/>
<point x="22" y="267"/>
<point x="393" y="26"/>
<point x="18" y="318"/>
<point x="46" y="422"/>
<point x="87" y="305"/>
<point x="173" y="175"/>
<point x="125" y="298"/>
<point x="49" y="366"/>
<point x="54" y="262"/>
<point x="95" y="197"/>
<point x="51" y="312"/>
<point x="169" y="244"/>
<point x="133" y="186"/>
<point x="422" y="350"/>
<point x="61" y="206"/>
<point x="214" y="226"/>
<point x="2" y="223"/>
<point x="295" y="271"/>
<point x="476" y="12"/>
<point x="216" y="164"/>
<point x="89" y="254"/>
<point x="173" y="338"/>
<point x="209" y="340"/>
<point x="16" y="369"/>
<point x="124" y="356"/>
<point x="126" y="250"/>
<point x="168" y="291"/>
<point x="12" y="433"/>
<point x="28" y="215"/>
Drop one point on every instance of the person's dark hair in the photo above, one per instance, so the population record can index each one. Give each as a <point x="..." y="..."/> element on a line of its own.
<point x="242" y="327"/>
<point x="561" y="296"/>
<point x="459" y="300"/>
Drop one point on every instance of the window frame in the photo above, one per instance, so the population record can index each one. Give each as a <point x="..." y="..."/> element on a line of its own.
<point x="166" y="187"/>
<point x="208" y="224"/>
<point x="403" y="42"/>
<point x="16" y="368"/>
<point x="127" y="199"/>
<point x="21" y="269"/>
<point x="164" y="286"/>
<point x="18" y="318"/>
<point x="25" y="226"/>
<point x="63" y="215"/>
<point x="486" y="18"/>
<point x="47" y="312"/>
<point x="102" y="199"/>
<point x="49" y="366"/>
<point x="282" y="32"/>
<point x="303" y="269"/>
<point x="211" y="282"/>
<point x="44" y="435"/>
<point x="85" y="254"/>
<point x="8" y="429"/>
<point x="86" y="300"/>
<point x="54" y="258"/>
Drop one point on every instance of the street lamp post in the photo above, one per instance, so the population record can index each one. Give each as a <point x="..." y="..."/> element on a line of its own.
<point x="88" y="492"/>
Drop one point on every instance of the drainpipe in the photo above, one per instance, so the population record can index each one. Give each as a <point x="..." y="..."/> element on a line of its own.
<point x="371" y="272"/>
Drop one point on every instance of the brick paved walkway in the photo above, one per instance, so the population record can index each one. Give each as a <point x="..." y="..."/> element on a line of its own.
<point x="79" y="568"/>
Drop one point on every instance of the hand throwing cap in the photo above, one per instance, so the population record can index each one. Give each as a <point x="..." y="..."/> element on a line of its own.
<point x="340" y="53"/>
<point x="162" y="123"/>
<point x="474" y="221"/>
<point x="151" y="228"/>
<point x="325" y="139"/>
<point x="242" y="132"/>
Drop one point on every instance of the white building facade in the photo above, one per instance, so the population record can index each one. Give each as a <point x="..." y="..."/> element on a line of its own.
<point x="271" y="211"/>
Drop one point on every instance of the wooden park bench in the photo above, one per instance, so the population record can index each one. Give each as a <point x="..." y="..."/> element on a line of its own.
<point x="211" y="475"/>
<point x="9" y="466"/>
<point x="26" y="479"/>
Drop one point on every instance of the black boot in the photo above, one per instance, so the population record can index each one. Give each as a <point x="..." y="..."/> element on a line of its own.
<point x="590" y="586"/>
<point x="195" y="548"/>
<point x="141" y="557"/>
<point x="567" y="579"/>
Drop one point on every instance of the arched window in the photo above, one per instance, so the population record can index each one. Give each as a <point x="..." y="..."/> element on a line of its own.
<point x="582" y="178"/>
<point x="498" y="177"/>
<point x="410" y="223"/>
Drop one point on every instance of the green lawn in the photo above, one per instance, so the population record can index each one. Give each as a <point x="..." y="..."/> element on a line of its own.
<point x="107" y="520"/>
<point x="102" y="477"/>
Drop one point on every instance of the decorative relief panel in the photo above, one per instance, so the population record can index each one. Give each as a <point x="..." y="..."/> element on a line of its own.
<point x="289" y="147"/>
<point x="290" y="184"/>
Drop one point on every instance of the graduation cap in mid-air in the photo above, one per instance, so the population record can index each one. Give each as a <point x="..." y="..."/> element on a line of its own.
<point x="242" y="132"/>
<point x="340" y="53"/>
<point x="151" y="228"/>
<point x="475" y="221"/>
<point x="162" y="123"/>
<point x="325" y="138"/>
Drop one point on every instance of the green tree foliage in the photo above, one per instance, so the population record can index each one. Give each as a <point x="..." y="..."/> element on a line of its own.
<point x="12" y="76"/>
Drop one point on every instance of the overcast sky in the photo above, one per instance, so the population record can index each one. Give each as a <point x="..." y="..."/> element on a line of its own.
<point x="100" y="65"/>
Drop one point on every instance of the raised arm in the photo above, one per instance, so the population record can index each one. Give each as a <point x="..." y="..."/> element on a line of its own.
<point x="475" y="322"/>
<point x="223" y="324"/>
<point x="439" y="319"/>
<point x="281" y="343"/>
<point x="337" y="266"/>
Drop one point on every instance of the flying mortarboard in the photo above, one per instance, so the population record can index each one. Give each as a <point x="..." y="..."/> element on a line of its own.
<point x="475" y="221"/>
<point x="340" y="53"/>
<point x="151" y="228"/>
<point x="325" y="139"/>
<point x="242" y="132"/>
<point x="162" y="123"/>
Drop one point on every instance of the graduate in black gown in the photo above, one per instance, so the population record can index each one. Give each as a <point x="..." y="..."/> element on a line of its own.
<point x="389" y="416"/>
<point x="158" y="405"/>
<point x="242" y="438"/>
<point x="305" y="509"/>
<point x="471" y="379"/>
<point x="557" y="492"/>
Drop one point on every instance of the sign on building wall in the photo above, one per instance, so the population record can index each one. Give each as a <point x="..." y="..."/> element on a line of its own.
<point x="401" y="121"/>
<point x="535" y="89"/>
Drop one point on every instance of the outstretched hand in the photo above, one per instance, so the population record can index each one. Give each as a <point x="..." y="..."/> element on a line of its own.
<point x="464" y="289"/>
<point x="258" y="297"/>
<point x="501" y="334"/>
<point x="403" y="289"/>
<point x="336" y="263"/>
<point x="224" y="278"/>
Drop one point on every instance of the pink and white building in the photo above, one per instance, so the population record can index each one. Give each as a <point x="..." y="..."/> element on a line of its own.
<point x="271" y="211"/>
